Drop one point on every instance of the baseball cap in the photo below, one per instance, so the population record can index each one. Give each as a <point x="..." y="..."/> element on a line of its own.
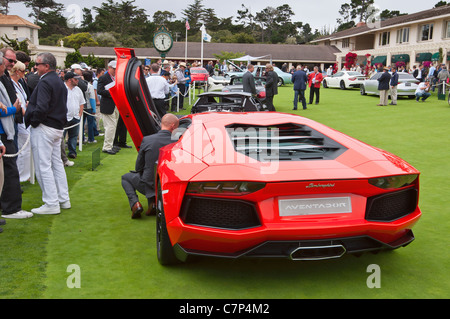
<point x="71" y="75"/>
<point x="75" y="66"/>
<point x="112" y="64"/>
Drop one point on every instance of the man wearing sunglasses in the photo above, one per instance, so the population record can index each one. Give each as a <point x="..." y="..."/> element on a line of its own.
<point x="11" y="196"/>
<point x="9" y="60"/>
<point x="47" y="116"/>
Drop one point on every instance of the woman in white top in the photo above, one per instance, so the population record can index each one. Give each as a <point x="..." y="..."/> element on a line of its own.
<point x="24" y="158"/>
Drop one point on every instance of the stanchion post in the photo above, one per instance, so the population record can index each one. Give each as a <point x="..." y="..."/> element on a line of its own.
<point x="80" y="133"/>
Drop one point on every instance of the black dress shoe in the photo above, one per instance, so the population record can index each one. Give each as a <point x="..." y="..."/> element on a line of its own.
<point x="136" y="210"/>
<point x="116" y="149"/>
<point x="125" y="146"/>
<point x="110" y="152"/>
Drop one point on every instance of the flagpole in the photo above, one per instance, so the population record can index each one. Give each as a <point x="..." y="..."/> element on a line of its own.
<point x="201" y="59"/>
<point x="185" y="48"/>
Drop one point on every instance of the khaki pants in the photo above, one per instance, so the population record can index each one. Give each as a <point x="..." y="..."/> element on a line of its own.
<point x="384" y="95"/>
<point x="110" y="124"/>
<point x="394" y="95"/>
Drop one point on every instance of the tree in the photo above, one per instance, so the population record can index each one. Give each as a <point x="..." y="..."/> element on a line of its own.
<point x="52" y="22"/>
<point x="15" y="44"/>
<point x="79" y="40"/>
<point x="441" y="4"/>
<point x="194" y="14"/>
<point x="41" y="6"/>
<point x="276" y="23"/>
<point x="225" y="55"/>
<point x="163" y="17"/>
<point x="356" y="9"/>
<point x="5" y="5"/>
<point x="387" y="14"/>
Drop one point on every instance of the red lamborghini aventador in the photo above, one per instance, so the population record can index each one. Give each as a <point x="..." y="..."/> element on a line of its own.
<point x="263" y="184"/>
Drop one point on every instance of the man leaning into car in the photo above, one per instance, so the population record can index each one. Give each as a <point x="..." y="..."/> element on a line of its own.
<point x="142" y="178"/>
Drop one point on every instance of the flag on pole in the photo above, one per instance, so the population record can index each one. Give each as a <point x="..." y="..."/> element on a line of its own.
<point x="205" y="36"/>
<point x="188" y="27"/>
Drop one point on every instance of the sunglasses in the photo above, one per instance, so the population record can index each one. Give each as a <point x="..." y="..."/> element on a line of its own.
<point x="10" y="60"/>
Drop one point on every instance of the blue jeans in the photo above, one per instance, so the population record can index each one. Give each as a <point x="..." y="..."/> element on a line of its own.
<point x="299" y="96"/>
<point x="73" y="136"/>
<point x="424" y="96"/>
<point x="92" y="124"/>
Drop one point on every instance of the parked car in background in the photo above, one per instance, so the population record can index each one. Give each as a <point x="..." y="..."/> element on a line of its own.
<point x="407" y="85"/>
<point x="344" y="80"/>
<point x="259" y="71"/>
<point x="237" y="86"/>
<point x="199" y="75"/>
<point x="217" y="83"/>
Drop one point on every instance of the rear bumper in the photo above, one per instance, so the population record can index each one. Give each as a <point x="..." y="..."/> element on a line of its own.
<point x="306" y="249"/>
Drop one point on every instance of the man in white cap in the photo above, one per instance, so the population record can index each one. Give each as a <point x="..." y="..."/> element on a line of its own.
<point x="108" y="109"/>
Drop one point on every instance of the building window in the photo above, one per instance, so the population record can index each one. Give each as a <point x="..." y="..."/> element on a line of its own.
<point x="447" y="30"/>
<point x="385" y="38"/>
<point x="426" y="32"/>
<point x="346" y="43"/>
<point x="403" y="35"/>
<point x="16" y="28"/>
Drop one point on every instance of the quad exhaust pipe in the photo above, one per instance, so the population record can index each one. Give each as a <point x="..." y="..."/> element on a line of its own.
<point x="318" y="252"/>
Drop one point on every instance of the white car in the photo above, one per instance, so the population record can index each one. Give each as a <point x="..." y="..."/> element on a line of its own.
<point x="407" y="85"/>
<point x="344" y="80"/>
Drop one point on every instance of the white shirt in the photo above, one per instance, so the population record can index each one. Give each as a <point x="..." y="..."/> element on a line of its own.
<point x="75" y="98"/>
<point x="158" y="86"/>
<point x="421" y="88"/>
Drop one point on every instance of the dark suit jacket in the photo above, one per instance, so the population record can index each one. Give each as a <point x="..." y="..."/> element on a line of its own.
<point x="48" y="103"/>
<point x="147" y="157"/>
<point x="271" y="83"/>
<point x="248" y="81"/>
<point x="299" y="79"/>
<point x="383" y="81"/>
<point x="107" y="105"/>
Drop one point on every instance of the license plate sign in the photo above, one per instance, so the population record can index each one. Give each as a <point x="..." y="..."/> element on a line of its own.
<point x="315" y="206"/>
<point x="407" y="84"/>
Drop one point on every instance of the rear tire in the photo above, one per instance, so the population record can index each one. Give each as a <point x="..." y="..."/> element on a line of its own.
<point x="342" y="85"/>
<point x="362" y="90"/>
<point x="325" y="85"/>
<point x="280" y="82"/>
<point x="164" y="248"/>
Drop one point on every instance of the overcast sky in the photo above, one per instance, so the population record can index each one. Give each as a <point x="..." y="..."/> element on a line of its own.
<point x="318" y="13"/>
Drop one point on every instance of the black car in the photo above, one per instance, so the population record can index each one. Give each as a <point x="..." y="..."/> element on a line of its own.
<point x="237" y="86"/>
<point x="227" y="102"/>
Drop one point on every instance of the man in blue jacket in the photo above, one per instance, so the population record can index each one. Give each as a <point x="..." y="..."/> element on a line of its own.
<point x="47" y="116"/>
<point x="394" y="83"/>
<point x="299" y="79"/>
<point x="383" y="87"/>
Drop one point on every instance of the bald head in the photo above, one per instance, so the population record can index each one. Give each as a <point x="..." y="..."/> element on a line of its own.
<point x="169" y="122"/>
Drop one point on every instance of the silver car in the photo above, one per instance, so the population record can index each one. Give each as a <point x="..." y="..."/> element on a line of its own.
<point x="407" y="85"/>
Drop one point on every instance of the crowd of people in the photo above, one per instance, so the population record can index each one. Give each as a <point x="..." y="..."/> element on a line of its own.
<point x="39" y="109"/>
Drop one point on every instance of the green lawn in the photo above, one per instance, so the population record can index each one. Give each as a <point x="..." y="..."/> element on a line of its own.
<point x="116" y="255"/>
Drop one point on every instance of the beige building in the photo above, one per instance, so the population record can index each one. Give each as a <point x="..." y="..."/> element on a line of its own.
<point x="412" y="38"/>
<point x="20" y="29"/>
